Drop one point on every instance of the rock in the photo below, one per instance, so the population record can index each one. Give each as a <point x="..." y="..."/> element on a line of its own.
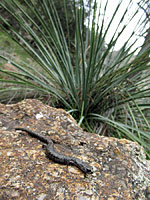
<point x="120" y="170"/>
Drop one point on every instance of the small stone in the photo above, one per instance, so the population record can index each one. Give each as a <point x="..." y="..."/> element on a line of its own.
<point x="39" y="116"/>
<point x="41" y="196"/>
<point x="15" y="194"/>
<point x="73" y="170"/>
<point x="9" y="153"/>
<point x="89" y="192"/>
<point x="83" y="198"/>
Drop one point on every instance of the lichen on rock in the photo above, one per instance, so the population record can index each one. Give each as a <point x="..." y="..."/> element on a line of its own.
<point x="120" y="169"/>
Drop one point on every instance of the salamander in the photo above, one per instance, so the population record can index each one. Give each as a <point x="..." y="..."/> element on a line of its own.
<point x="57" y="157"/>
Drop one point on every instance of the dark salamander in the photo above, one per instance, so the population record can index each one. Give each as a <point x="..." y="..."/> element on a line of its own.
<point x="56" y="156"/>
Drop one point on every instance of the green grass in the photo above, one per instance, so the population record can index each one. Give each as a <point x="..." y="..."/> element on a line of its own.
<point x="10" y="48"/>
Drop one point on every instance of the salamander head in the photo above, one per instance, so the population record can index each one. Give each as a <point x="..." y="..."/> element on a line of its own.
<point x="83" y="166"/>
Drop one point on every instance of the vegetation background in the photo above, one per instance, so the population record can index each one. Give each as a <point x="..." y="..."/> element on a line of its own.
<point x="57" y="52"/>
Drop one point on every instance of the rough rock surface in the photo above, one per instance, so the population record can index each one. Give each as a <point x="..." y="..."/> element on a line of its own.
<point x="120" y="170"/>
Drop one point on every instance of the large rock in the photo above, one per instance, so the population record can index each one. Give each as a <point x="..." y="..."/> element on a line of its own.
<point x="120" y="170"/>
